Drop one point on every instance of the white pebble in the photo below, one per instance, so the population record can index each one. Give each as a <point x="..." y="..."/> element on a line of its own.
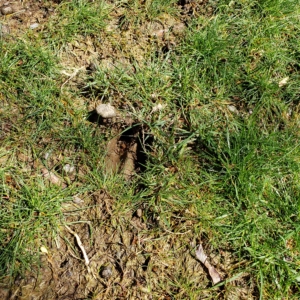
<point x="68" y="168"/>
<point x="283" y="82"/>
<point x="106" y="111"/>
<point x="139" y="213"/>
<point x="232" y="109"/>
<point x="34" y="26"/>
<point x="47" y="155"/>
<point x="158" y="107"/>
<point x="106" y="272"/>
<point x="77" y="200"/>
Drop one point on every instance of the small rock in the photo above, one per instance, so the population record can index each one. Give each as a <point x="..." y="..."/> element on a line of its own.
<point x="68" y="169"/>
<point x="139" y="213"/>
<point x="34" y="26"/>
<point x="283" y="82"/>
<point x="4" y="30"/>
<point x="6" y="10"/>
<point x="233" y="109"/>
<point x="158" y="107"/>
<point x="77" y="200"/>
<point x="47" y="155"/>
<point x="106" y="111"/>
<point x="106" y="272"/>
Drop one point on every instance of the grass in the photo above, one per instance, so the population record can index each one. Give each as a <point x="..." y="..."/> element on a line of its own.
<point x="222" y="155"/>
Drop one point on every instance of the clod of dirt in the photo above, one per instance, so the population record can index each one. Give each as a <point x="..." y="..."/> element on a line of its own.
<point x="106" y="111"/>
<point x="126" y="151"/>
<point x="4" y="30"/>
<point x="178" y="28"/>
<point x="6" y="10"/>
<point x="112" y="160"/>
<point x="129" y="164"/>
<point x="106" y="272"/>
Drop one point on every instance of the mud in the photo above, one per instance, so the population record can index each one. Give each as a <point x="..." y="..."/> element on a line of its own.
<point x="140" y="264"/>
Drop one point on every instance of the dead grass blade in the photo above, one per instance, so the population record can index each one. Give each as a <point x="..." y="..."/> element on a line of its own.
<point x="215" y="276"/>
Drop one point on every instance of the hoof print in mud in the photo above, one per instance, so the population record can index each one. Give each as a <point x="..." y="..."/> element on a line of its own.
<point x="126" y="152"/>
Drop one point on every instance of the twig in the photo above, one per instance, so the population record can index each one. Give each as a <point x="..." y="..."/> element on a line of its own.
<point x="71" y="76"/>
<point x="80" y="245"/>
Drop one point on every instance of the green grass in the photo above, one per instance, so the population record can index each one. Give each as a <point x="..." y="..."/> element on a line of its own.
<point x="232" y="176"/>
<point x="75" y="18"/>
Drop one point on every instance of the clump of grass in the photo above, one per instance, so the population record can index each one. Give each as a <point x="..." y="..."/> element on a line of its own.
<point x="74" y="18"/>
<point x="137" y="13"/>
<point x="29" y="212"/>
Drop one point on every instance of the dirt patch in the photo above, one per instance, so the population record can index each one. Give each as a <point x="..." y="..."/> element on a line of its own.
<point x="126" y="40"/>
<point x="129" y="258"/>
<point x="17" y="17"/>
<point x="126" y="152"/>
<point x="125" y="261"/>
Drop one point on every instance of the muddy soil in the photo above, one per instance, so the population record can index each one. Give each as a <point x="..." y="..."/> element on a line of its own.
<point x="125" y="261"/>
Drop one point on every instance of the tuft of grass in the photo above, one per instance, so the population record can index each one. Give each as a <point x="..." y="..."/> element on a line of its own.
<point x="30" y="209"/>
<point x="74" y="18"/>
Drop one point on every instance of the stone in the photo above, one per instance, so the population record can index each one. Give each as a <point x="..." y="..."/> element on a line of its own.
<point x="6" y="10"/>
<point x="69" y="169"/>
<point x="233" y="109"/>
<point x="77" y="200"/>
<point x="106" y="111"/>
<point x="106" y="272"/>
<point x="139" y="213"/>
<point x="4" y="30"/>
<point x="34" y="26"/>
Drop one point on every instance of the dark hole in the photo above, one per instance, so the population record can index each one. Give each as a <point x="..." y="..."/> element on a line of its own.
<point x="146" y="264"/>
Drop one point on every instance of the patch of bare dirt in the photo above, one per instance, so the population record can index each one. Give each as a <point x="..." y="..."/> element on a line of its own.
<point x="124" y="258"/>
<point x="126" y="262"/>
<point x="17" y="17"/>
<point x="125" y="152"/>
<point x="131" y="256"/>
